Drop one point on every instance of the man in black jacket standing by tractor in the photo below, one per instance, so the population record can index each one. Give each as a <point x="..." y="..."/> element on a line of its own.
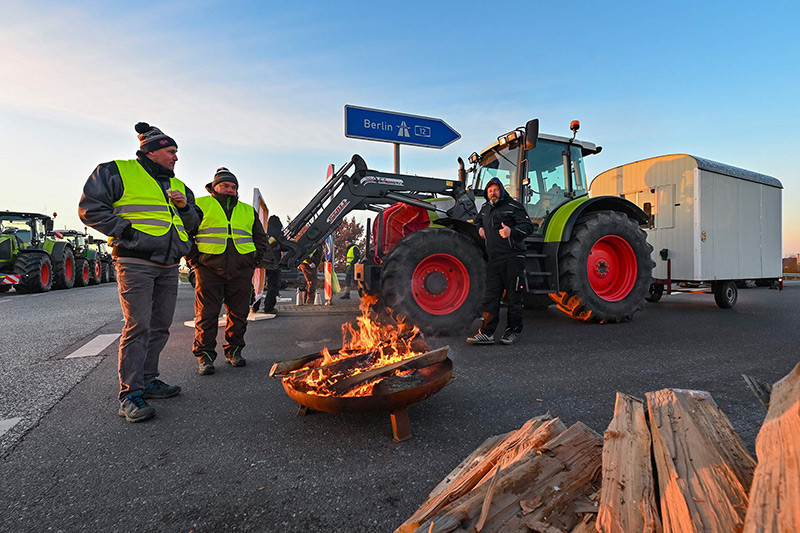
<point x="504" y="224"/>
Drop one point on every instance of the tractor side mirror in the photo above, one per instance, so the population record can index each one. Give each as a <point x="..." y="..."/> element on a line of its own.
<point x="531" y="133"/>
<point x="48" y="225"/>
<point x="90" y="239"/>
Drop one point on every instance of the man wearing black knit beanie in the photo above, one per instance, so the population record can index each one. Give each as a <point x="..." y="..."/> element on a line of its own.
<point x="147" y="213"/>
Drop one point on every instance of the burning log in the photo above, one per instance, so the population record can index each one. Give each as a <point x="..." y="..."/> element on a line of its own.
<point x="775" y="493"/>
<point x="627" y="502"/>
<point x="704" y="471"/>
<point x="418" y="361"/>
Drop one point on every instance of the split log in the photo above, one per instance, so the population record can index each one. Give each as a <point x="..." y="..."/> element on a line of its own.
<point x="628" y="502"/>
<point x="561" y="475"/>
<point x="775" y="494"/>
<point x="282" y="368"/>
<point x="478" y="466"/>
<point x="430" y="358"/>
<point x="703" y="470"/>
<point x="342" y="366"/>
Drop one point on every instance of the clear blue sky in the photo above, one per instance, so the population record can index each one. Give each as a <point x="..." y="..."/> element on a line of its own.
<point x="260" y="87"/>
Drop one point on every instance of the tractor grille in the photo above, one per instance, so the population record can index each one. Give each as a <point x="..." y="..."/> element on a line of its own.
<point x="5" y="250"/>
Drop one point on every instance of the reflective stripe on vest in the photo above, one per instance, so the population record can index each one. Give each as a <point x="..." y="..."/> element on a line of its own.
<point x="215" y="230"/>
<point x="144" y="202"/>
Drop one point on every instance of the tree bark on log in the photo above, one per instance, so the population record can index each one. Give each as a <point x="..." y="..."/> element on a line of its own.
<point x="534" y="433"/>
<point x="429" y="358"/>
<point x="627" y="501"/>
<point x="775" y="494"/>
<point x="542" y="488"/>
<point x="703" y="470"/>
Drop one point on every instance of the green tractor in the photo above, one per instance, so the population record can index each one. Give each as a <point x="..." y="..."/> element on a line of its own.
<point x="89" y="266"/>
<point x="425" y="259"/>
<point x="107" y="270"/>
<point x="31" y="260"/>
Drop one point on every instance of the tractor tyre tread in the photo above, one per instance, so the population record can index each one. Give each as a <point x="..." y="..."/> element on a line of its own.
<point x="29" y="267"/>
<point x="578" y="299"/>
<point x="398" y="268"/>
<point x="60" y="278"/>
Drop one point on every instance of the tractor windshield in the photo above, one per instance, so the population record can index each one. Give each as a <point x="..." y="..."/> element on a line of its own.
<point x="500" y="163"/>
<point x="26" y="230"/>
<point x="548" y="186"/>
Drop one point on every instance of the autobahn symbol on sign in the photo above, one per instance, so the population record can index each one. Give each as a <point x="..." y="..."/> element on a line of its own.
<point x="398" y="128"/>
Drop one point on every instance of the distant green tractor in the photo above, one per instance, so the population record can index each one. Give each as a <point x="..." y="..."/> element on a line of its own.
<point x="90" y="268"/>
<point x="107" y="270"/>
<point x="30" y="259"/>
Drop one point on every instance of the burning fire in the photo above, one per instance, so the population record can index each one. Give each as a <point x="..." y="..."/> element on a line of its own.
<point x="367" y="346"/>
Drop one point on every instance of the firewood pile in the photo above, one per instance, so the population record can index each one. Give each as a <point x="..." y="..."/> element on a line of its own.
<point x="669" y="463"/>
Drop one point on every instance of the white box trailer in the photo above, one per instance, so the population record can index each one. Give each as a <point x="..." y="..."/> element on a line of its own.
<point x="711" y="225"/>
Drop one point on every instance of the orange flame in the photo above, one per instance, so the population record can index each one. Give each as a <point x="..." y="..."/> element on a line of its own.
<point x="368" y="345"/>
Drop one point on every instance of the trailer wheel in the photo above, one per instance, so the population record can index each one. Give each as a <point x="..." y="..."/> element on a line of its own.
<point x="436" y="279"/>
<point x="725" y="293"/>
<point x="64" y="270"/>
<point x="36" y="273"/>
<point x="81" y="272"/>
<point x="656" y="292"/>
<point x="605" y="269"/>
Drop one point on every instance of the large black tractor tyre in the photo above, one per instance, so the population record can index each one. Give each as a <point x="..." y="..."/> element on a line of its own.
<point x="36" y="273"/>
<point x="64" y="270"/>
<point x="605" y="269"/>
<point x="104" y="266"/>
<point x="82" y="273"/>
<point x="112" y="271"/>
<point x="536" y="301"/>
<point x="94" y="272"/>
<point x="436" y="279"/>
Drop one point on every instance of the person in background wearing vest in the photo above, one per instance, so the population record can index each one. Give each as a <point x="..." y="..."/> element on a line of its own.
<point x="147" y="213"/>
<point x="229" y="244"/>
<point x="352" y="257"/>
<point x="309" y="268"/>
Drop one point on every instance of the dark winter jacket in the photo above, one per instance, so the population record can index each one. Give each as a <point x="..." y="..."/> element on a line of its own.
<point x="231" y="263"/>
<point x="104" y="187"/>
<point x="509" y="212"/>
<point x="276" y="237"/>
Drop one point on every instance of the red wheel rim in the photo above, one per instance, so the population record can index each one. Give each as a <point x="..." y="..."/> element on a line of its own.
<point x="85" y="273"/>
<point x="440" y="284"/>
<point x="612" y="268"/>
<point x="68" y="267"/>
<point x="44" y="274"/>
<point x="97" y="270"/>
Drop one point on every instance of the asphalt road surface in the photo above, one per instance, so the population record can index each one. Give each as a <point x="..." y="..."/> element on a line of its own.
<point x="230" y="454"/>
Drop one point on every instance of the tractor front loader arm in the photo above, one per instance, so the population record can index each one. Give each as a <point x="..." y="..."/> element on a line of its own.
<point x="365" y="189"/>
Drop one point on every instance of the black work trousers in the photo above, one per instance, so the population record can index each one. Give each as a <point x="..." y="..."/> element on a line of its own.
<point x="504" y="275"/>
<point x="211" y="291"/>
<point x="272" y="289"/>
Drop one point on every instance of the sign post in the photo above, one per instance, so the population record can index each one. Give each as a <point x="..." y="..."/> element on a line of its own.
<point x="329" y="256"/>
<point x="397" y="128"/>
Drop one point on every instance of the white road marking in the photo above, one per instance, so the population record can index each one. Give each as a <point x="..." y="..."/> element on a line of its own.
<point x="94" y="346"/>
<point x="252" y="317"/>
<point x="5" y="425"/>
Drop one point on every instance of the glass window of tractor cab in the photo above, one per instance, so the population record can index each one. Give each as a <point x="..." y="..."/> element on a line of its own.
<point x="501" y="164"/>
<point x="547" y="189"/>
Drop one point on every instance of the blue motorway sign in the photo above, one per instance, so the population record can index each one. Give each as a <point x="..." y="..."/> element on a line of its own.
<point x="391" y="127"/>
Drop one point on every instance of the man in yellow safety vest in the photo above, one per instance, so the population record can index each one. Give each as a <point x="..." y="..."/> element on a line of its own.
<point x="352" y="257"/>
<point x="147" y="213"/>
<point x="229" y="244"/>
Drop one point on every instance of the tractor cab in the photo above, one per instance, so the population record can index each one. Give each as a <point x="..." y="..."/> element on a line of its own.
<point x="28" y="230"/>
<point x="540" y="171"/>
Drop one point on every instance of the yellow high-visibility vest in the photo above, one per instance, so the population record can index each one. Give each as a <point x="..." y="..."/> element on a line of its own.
<point x="351" y="255"/>
<point x="216" y="229"/>
<point x="145" y="204"/>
